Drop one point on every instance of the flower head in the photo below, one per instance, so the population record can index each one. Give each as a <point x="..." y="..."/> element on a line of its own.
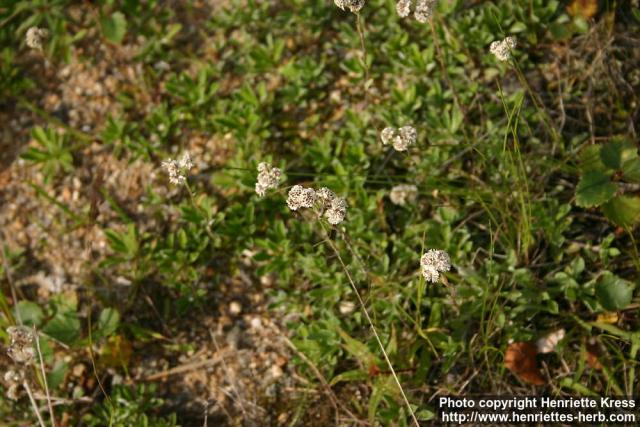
<point x="14" y="378"/>
<point x="408" y="136"/>
<point x="401" y="194"/>
<point x="502" y="49"/>
<point x="34" y="37"/>
<point x="353" y="5"/>
<point x="325" y="195"/>
<point x="400" y="138"/>
<point x="185" y="162"/>
<point x="178" y="169"/>
<point x="434" y="262"/>
<point x="300" y="197"/>
<point x="337" y="211"/>
<point x="424" y="10"/>
<point x="268" y="177"/>
<point x="403" y="7"/>
<point x="387" y="135"/>
<point x="21" y="347"/>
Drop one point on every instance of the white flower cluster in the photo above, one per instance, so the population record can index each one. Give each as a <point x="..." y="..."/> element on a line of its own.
<point x="401" y="194"/>
<point x="21" y="347"/>
<point x="401" y="138"/>
<point x="336" y="210"/>
<point x="333" y="208"/>
<point x="353" y="5"/>
<point x="300" y="197"/>
<point x="422" y="13"/>
<point x="34" y="37"/>
<point x="177" y="169"/>
<point x="14" y="378"/>
<point x="434" y="262"/>
<point x="502" y="49"/>
<point x="268" y="177"/>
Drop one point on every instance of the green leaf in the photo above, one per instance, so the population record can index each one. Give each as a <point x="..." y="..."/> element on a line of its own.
<point x="353" y="375"/>
<point x="64" y="327"/>
<point x="56" y="376"/>
<point x="30" y="313"/>
<point x="614" y="293"/>
<point x="623" y="210"/>
<point x="560" y="31"/>
<point x="114" y="27"/>
<point x="594" y="189"/>
<point x="357" y="349"/>
<point x="384" y="385"/>
<point x="590" y="159"/>
<point x="107" y="322"/>
<point x="615" y="154"/>
<point x="631" y="170"/>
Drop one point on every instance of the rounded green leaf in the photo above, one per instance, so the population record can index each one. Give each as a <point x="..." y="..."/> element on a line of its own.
<point x="614" y="293"/>
<point x="594" y="189"/>
<point x="623" y="210"/>
<point x="114" y="27"/>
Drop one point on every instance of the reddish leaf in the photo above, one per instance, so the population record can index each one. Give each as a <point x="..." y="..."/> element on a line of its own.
<point x="591" y="355"/>
<point x="374" y="370"/>
<point x="520" y="359"/>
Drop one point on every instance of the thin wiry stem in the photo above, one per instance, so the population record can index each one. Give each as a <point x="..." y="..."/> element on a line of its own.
<point x="44" y="379"/>
<point x="364" y="52"/>
<point x="33" y="403"/>
<point x="373" y="328"/>
<point x="93" y="364"/>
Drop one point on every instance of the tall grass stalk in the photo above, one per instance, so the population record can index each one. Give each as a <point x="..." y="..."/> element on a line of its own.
<point x="371" y="325"/>
<point x="44" y="379"/>
<point x="34" y="405"/>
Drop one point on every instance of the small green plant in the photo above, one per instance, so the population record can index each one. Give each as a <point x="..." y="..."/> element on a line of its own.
<point x="54" y="152"/>
<point x="609" y="173"/>
<point x="130" y="407"/>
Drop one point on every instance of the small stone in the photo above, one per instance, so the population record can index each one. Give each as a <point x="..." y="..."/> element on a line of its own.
<point x="235" y="308"/>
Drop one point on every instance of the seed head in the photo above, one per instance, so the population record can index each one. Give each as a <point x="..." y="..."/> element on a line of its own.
<point x="268" y="177"/>
<point x="502" y="49"/>
<point x="34" y="37"/>
<point x="21" y="347"/>
<point x="300" y="197"/>
<point x="401" y="194"/>
<point x="434" y="262"/>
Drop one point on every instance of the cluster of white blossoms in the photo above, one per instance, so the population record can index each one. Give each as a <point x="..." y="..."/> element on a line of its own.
<point x="14" y="378"/>
<point x="434" y="262"/>
<point x="403" y="194"/>
<point x="177" y="169"/>
<point x="336" y="209"/>
<point x="422" y="13"/>
<point x="332" y="207"/>
<point x="502" y="49"/>
<point x="268" y="177"/>
<point x="21" y="347"/>
<point x="300" y="197"/>
<point x="401" y="139"/>
<point x="353" y="5"/>
<point x="34" y="37"/>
